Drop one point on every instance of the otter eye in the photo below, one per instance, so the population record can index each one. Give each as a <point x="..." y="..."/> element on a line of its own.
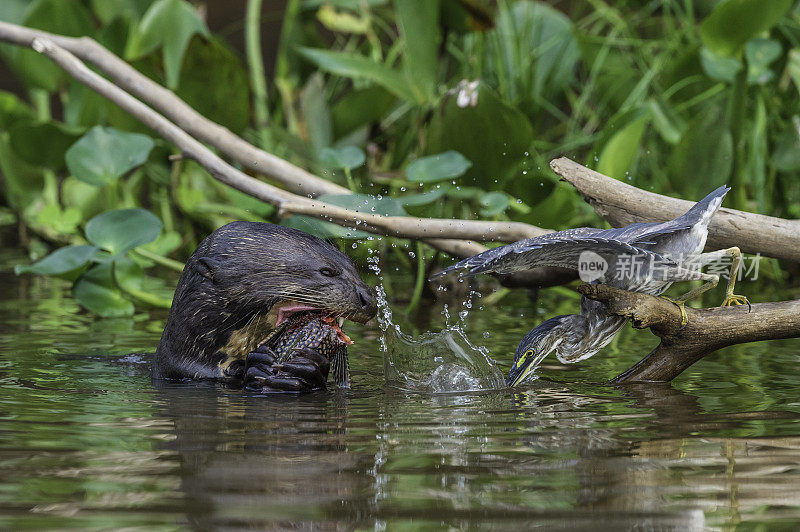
<point x="327" y="272"/>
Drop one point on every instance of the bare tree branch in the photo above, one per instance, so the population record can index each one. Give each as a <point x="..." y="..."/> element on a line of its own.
<point x="707" y="330"/>
<point x="287" y="202"/>
<point x="622" y="204"/>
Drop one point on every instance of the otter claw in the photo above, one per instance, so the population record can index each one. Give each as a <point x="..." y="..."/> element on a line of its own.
<point x="306" y="370"/>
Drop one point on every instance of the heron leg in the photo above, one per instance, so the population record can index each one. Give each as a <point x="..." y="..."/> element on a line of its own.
<point x="709" y="281"/>
<point x="730" y="297"/>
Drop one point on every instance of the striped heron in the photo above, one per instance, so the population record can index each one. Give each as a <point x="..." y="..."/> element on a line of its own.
<point x="641" y="257"/>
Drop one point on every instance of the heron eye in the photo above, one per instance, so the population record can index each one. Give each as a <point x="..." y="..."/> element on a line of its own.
<point x="327" y="272"/>
<point x="529" y="353"/>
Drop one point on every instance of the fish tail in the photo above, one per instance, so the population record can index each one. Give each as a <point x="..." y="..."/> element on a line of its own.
<point x="341" y="367"/>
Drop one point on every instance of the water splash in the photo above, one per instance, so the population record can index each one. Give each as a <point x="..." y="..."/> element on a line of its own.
<point x="441" y="362"/>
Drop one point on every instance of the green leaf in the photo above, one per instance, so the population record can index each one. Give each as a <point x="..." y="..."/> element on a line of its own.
<point x="42" y="144"/>
<point x="95" y="290"/>
<point x="366" y="203"/>
<point x="316" y="115"/>
<point x="668" y="125"/>
<point x="22" y="183"/>
<point x="419" y="25"/>
<point x="214" y="82"/>
<point x="793" y="66"/>
<point x="703" y="159"/>
<point x="620" y="152"/>
<point x="438" y="167"/>
<point x="343" y="157"/>
<point x="13" y="110"/>
<point x="719" y="67"/>
<point x="60" y="221"/>
<point x="104" y="154"/>
<point x="108" y="10"/>
<point x="60" y="261"/>
<point x="63" y="17"/>
<point x="356" y="66"/>
<point x="358" y="108"/>
<point x="494" y="203"/>
<point x="734" y="22"/>
<point x="786" y="156"/>
<point x="169" y="24"/>
<point x="122" y="230"/>
<point x="761" y="53"/>
<point x="492" y="135"/>
<point x="424" y="198"/>
<point x="532" y="53"/>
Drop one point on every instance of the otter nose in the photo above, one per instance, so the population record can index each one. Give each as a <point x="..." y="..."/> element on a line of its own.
<point x="367" y="300"/>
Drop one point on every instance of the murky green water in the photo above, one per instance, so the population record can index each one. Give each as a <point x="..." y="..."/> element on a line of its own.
<point x="88" y="442"/>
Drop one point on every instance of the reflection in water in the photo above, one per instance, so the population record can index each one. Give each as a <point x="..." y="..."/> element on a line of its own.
<point x="88" y="442"/>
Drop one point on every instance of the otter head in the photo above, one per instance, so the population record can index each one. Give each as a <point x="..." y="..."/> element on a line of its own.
<point x="246" y="278"/>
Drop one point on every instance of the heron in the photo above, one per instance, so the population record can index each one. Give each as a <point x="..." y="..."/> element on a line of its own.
<point x="641" y="257"/>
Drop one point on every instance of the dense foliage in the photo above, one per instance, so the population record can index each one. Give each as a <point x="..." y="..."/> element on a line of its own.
<point x="446" y="108"/>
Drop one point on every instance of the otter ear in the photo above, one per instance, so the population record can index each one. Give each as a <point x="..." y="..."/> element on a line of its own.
<point x="207" y="266"/>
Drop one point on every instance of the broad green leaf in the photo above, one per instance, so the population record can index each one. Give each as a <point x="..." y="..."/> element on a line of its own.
<point x="22" y="183"/>
<point x="492" y="135"/>
<point x="761" y="53"/>
<point x="63" y="17"/>
<point x="366" y="203"/>
<point x="95" y="290"/>
<point x="42" y="144"/>
<point x="127" y="273"/>
<point x="419" y="25"/>
<point x="358" y="108"/>
<point x="793" y="66"/>
<point x="122" y="230"/>
<point x="57" y="220"/>
<point x="494" y="203"/>
<point x="438" y="167"/>
<point x="316" y="115"/>
<point x="703" y="159"/>
<point x="169" y="24"/>
<point x="104" y="154"/>
<point x="214" y="82"/>
<point x="60" y="261"/>
<point x="620" y="152"/>
<point x="423" y="198"/>
<point x="532" y="53"/>
<point x="108" y="10"/>
<point x="734" y="22"/>
<point x="356" y="66"/>
<point x="343" y="157"/>
<point x="719" y="67"/>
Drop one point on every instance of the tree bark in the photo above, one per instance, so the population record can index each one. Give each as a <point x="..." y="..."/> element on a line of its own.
<point x="622" y="204"/>
<point x="706" y="331"/>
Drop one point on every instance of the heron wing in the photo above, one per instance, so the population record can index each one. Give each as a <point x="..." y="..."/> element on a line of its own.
<point x="647" y="233"/>
<point x="562" y="249"/>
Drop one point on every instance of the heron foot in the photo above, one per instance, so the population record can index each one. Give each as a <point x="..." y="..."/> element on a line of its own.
<point x="733" y="299"/>
<point x="682" y="306"/>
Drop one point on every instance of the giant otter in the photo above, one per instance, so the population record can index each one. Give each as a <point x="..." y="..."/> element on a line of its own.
<point x="240" y="283"/>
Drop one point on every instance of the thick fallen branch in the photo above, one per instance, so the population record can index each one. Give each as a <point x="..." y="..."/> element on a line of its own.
<point x="707" y="330"/>
<point x="622" y="204"/>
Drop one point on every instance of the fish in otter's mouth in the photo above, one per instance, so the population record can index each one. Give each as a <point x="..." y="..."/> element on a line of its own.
<point x="305" y="327"/>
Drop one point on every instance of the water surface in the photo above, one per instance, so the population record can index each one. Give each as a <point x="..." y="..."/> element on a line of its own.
<point x="87" y="441"/>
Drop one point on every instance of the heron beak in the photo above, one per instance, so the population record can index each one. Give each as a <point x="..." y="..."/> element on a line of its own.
<point x="523" y="367"/>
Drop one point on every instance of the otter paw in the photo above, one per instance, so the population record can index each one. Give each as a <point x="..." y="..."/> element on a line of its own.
<point x="305" y="370"/>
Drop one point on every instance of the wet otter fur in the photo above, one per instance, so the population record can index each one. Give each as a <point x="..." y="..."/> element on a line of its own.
<point x="237" y="283"/>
